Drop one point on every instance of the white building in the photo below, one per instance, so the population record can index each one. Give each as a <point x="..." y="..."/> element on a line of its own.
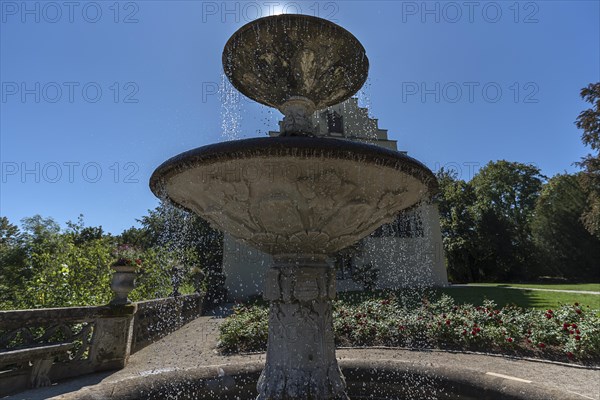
<point x="406" y="253"/>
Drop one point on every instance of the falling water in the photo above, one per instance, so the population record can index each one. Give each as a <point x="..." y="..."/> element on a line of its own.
<point x="231" y="110"/>
<point x="364" y="95"/>
<point x="268" y="121"/>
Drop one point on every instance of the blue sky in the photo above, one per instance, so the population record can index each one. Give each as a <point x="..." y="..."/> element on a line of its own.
<point x="95" y="95"/>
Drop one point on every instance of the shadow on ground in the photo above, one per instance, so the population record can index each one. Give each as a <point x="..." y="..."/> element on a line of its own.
<point x="66" y="386"/>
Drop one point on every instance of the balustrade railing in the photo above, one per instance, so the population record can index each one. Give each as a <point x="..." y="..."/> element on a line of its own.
<point x="45" y="345"/>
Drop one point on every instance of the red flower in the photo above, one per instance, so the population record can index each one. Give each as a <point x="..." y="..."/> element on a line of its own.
<point x="570" y="355"/>
<point x="578" y="311"/>
<point x="509" y="340"/>
<point x="447" y="322"/>
<point x="576" y="304"/>
<point x="577" y="337"/>
<point x="541" y="345"/>
<point x="574" y="326"/>
<point x="138" y="261"/>
<point x="464" y="332"/>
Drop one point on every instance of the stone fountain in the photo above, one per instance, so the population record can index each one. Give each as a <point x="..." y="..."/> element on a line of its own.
<point x="296" y="197"/>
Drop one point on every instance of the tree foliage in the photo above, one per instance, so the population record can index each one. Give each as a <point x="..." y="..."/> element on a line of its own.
<point x="508" y="224"/>
<point x="42" y="265"/>
<point x="505" y="197"/>
<point x="13" y="268"/>
<point x="589" y="121"/>
<point x="564" y="246"/>
<point x="190" y="241"/>
<point x="455" y="203"/>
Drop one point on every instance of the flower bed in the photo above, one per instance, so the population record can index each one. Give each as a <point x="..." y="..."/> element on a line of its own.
<point x="569" y="333"/>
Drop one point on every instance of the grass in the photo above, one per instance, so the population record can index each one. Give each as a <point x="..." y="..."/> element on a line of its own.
<point x="477" y="294"/>
<point x="590" y="287"/>
<point x="522" y="298"/>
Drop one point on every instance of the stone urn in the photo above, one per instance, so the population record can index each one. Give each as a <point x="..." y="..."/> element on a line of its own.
<point x="296" y="197"/>
<point x="122" y="283"/>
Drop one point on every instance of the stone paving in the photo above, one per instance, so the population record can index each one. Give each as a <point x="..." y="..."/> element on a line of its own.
<point x="195" y="345"/>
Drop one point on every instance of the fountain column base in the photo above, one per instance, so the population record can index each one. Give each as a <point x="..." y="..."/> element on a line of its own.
<point x="301" y="361"/>
<point x="297" y="112"/>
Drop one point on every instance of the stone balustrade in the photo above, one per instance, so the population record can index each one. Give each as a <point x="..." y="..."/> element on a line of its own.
<point x="45" y="345"/>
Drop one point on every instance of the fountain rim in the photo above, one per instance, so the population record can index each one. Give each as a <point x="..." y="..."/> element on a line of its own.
<point x="306" y="147"/>
<point x="241" y="88"/>
<point x="474" y="380"/>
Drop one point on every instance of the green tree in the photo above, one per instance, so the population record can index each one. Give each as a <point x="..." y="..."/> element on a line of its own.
<point x="40" y="231"/>
<point x="8" y="232"/>
<point x="138" y="237"/>
<point x="506" y="194"/>
<point x="589" y="121"/>
<point x="189" y="240"/>
<point x="13" y="267"/>
<point x="154" y="277"/>
<point x="44" y="266"/>
<point x="565" y="247"/>
<point x="68" y="268"/>
<point x="455" y="202"/>
<point x="81" y="234"/>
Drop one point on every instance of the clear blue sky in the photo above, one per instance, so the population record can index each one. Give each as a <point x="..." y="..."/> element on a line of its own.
<point x="158" y="64"/>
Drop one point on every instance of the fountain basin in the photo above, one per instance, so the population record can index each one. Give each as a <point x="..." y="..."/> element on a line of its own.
<point x="367" y="379"/>
<point x="294" y="195"/>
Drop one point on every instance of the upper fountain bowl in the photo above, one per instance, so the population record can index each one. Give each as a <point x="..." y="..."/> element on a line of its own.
<point x="276" y="58"/>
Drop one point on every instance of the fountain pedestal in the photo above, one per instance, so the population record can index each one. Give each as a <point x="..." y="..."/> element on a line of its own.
<point x="301" y="361"/>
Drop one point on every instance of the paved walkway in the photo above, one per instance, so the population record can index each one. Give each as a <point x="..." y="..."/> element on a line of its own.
<point x="195" y="345"/>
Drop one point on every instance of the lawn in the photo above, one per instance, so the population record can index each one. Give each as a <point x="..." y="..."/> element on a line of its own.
<point x="522" y="298"/>
<point x="477" y="294"/>
<point x="590" y="287"/>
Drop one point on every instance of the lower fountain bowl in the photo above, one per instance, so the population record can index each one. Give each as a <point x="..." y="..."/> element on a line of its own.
<point x="294" y="195"/>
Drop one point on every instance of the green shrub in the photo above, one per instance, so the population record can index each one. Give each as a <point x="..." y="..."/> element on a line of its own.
<point x="571" y="332"/>
<point x="246" y="330"/>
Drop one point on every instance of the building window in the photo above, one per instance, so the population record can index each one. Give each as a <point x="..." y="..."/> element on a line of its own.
<point x="335" y="122"/>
